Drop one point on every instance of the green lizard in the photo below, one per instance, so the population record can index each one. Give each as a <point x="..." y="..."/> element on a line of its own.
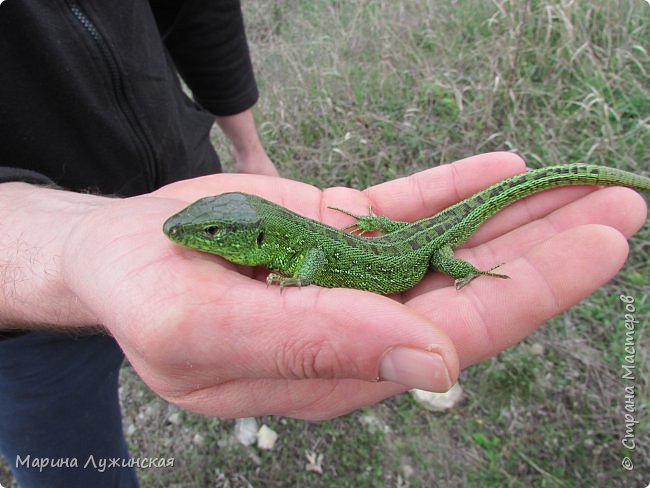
<point x="249" y="230"/>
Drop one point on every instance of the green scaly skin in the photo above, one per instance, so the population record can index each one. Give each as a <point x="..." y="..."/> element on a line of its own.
<point x="246" y="229"/>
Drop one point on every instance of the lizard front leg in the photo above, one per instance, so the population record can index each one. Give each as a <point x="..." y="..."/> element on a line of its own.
<point x="311" y="264"/>
<point x="443" y="260"/>
<point x="371" y="222"/>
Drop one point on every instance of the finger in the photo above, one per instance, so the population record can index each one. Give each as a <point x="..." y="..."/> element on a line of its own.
<point x="239" y="329"/>
<point x="312" y="399"/>
<point x="427" y="192"/>
<point x="301" y="198"/>
<point x="492" y="314"/>
<point x="409" y="198"/>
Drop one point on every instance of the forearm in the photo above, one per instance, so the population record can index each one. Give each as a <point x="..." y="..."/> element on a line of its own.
<point x="247" y="151"/>
<point x="35" y="223"/>
<point x="241" y="131"/>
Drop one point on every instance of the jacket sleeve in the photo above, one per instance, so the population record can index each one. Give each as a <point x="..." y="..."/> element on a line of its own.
<point x="8" y="174"/>
<point x="207" y="42"/>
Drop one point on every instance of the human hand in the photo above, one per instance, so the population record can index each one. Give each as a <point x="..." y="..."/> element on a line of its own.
<point x="246" y="148"/>
<point x="253" y="162"/>
<point x="206" y="336"/>
<point x="211" y="337"/>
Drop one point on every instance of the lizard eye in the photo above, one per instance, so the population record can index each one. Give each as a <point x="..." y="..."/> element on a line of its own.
<point x="211" y="230"/>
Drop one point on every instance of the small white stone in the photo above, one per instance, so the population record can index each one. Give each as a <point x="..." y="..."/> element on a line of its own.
<point x="439" y="402"/>
<point x="246" y="430"/>
<point x="174" y="418"/>
<point x="266" y="438"/>
<point x="374" y="424"/>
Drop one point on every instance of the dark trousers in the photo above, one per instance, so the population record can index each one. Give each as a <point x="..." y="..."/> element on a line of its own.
<point x="59" y="411"/>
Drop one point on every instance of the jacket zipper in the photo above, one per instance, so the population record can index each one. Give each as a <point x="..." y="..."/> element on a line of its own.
<point x="117" y="83"/>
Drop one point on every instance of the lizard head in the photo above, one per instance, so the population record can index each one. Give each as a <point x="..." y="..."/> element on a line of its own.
<point x="228" y="225"/>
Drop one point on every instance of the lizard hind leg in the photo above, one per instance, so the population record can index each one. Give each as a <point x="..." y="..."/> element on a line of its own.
<point x="443" y="260"/>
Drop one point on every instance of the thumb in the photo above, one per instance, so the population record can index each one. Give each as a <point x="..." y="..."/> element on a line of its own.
<point x="309" y="333"/>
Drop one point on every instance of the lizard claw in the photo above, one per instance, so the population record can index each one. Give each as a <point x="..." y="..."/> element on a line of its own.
<point x="282" y="281"/>
<point x="461" y="282"/>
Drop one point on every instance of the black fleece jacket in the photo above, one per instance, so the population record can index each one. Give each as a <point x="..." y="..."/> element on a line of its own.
<point x="90" y="97"/>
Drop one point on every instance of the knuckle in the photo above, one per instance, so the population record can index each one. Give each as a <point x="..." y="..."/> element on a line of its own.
<point x="311" y="360"/>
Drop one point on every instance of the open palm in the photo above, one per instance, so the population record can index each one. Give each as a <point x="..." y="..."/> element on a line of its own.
<point x="211" y="337"/>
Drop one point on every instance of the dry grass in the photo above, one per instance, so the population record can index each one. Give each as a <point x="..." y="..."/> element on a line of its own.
<point x="356" y="92"/>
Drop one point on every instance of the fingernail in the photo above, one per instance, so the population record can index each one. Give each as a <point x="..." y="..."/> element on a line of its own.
<point x="415" y="368"/>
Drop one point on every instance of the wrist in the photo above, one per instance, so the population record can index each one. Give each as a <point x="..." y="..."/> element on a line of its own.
<point x="35" y="227"/>
<point x="251" y="150"/>
<point x="242" y="133"/>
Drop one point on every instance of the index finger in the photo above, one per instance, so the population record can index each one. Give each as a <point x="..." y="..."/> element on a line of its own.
<point x="427" y="192"/>
<point x="409" y="198"/>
